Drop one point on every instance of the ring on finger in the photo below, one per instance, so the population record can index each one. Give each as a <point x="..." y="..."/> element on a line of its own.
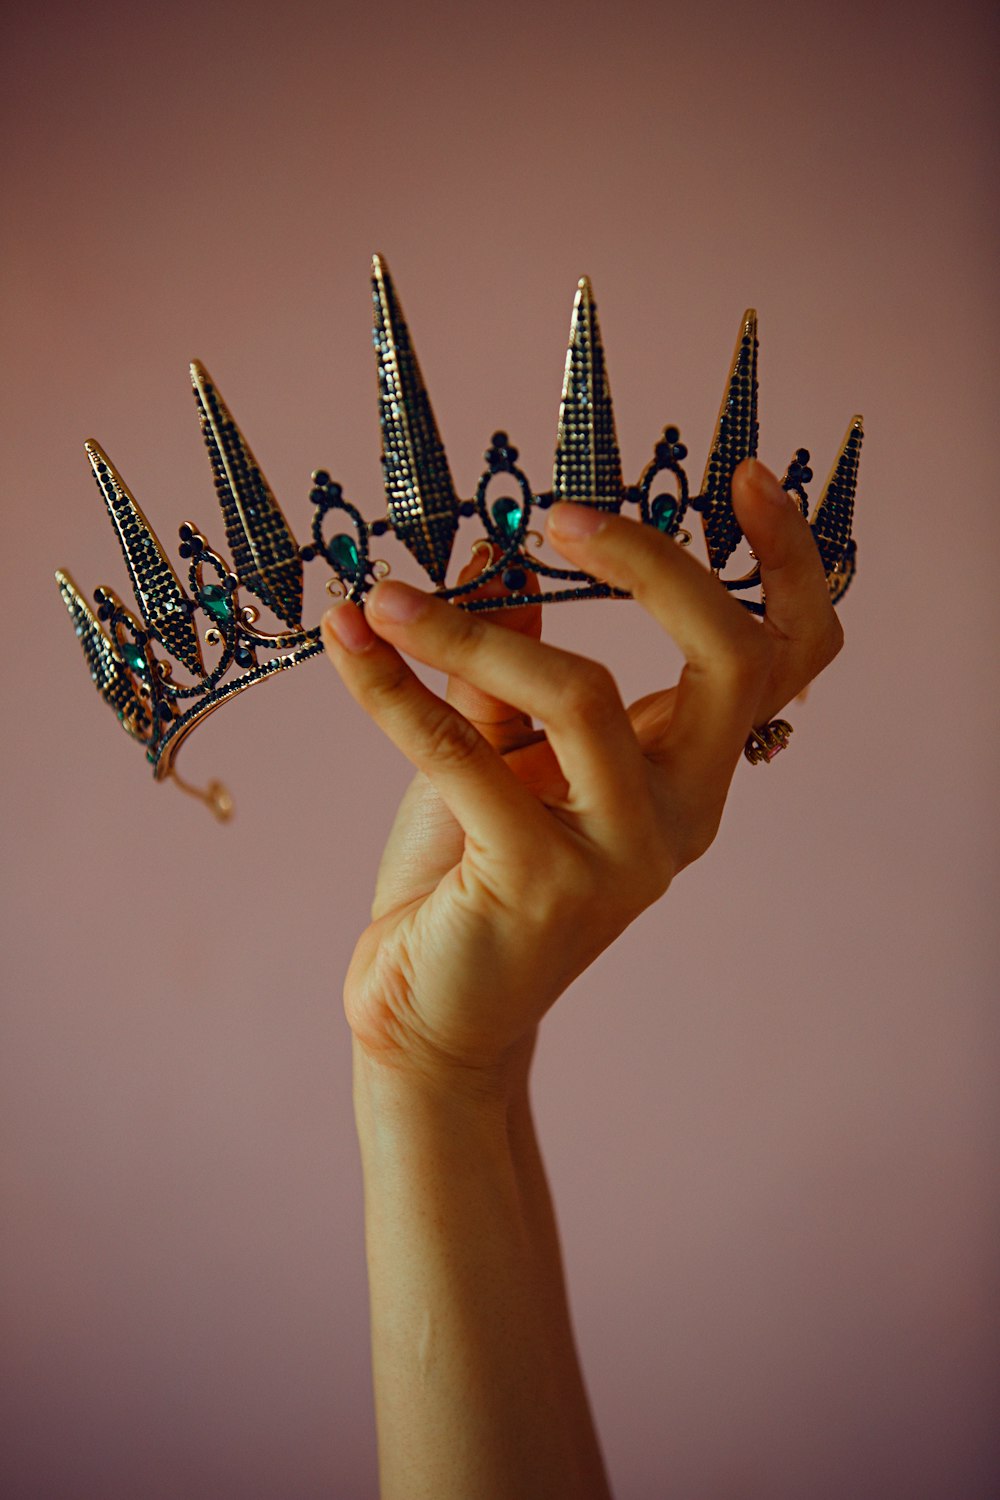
<point x="766" y="740"/>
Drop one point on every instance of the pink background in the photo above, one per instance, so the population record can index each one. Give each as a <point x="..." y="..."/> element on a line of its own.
<point x="769" y="1113"/>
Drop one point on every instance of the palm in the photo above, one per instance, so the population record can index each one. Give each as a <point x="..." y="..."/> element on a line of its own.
<point x="420" y="907"/>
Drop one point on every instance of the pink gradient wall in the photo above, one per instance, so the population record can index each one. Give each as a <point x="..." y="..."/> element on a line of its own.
<point x="769" y="1113"/>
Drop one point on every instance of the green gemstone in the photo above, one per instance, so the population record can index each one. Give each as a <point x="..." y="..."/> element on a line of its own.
<point x="344" y="552"/>
<point x="507" y="515"/>
<point x="217" y="602"/>
<point x="134" y="656"/>
<point x="664" y="512"/>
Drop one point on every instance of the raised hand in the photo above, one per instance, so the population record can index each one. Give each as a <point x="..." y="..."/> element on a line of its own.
<point x="518" y="858"/>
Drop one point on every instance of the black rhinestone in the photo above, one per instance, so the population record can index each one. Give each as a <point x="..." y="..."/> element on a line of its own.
<point x="680" y="451"/>
<point x="186" y="533"/>
<point x="499" y="440"/>
<point x="671" y="434"/>
<point x="467" y="508"/>
<point x="802" y="455"/>
<point x="307" y="554"/>
<point x="321" y="477"/>
<point x="806" y="475"/>
<point x="379" y="528"/>
<point x="514" y="579"/>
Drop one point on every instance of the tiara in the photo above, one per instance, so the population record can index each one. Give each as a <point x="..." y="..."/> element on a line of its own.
<point x="123" y="649"/>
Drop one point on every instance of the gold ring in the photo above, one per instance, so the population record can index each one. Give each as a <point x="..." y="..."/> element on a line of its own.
<point x="765" y="740"/>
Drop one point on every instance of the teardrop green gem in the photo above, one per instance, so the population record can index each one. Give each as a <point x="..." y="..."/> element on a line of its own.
<point x="507" y="515"/>
<point x="134" y="656"/>
<point x="217" y="602"/>
<point x="664" y="512"/>
<point x="344" y="552"/>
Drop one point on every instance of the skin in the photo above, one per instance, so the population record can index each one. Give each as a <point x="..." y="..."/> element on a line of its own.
<point x="517" y="856"/>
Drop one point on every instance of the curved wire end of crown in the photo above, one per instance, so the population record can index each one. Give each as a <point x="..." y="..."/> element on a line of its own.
<point x="216" y="797"/>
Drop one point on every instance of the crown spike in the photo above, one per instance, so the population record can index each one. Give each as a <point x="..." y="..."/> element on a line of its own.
<point x="833" y="517"/>
<point x="265" y="553"/>
<point x="735" y="439"/>
<point x="423" y="506"/>
<point x="106" y="670"/>
<point x="588" y="467"/>
<point x="162" y="602"/>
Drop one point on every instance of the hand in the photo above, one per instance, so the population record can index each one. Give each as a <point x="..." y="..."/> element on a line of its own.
<point x="516" y="858"/>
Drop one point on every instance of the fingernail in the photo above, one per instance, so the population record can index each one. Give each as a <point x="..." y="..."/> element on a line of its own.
<point x="347" y="624"/>
<point x="575" y="522"/>
<point x="765" y="482"/>
<point x="396" y="602"/>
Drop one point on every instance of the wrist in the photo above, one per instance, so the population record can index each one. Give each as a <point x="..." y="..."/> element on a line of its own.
<point x="403" y="1084"/>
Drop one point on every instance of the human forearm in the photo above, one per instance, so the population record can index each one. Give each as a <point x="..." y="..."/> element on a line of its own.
<point x="478" y="1393"/>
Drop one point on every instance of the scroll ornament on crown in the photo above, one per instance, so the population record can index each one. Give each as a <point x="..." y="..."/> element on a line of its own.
<point x="211" y="632"/>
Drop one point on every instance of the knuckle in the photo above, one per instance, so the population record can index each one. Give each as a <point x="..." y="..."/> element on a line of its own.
<point x="568" y="878"/>
<point x="825" y="643"/>
<point x="589" y="690"/>
<point x="450" y="740"/>
<point x="747" y="659"/>
<point x="465" y="631"/>
<point x="834" y="637"/>
<point x="660" y="867"/>
<point x="384" y="690"/>
<point x="699" y="837"/>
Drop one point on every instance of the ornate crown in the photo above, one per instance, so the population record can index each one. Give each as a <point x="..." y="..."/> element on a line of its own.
<point x="423" y="511"/>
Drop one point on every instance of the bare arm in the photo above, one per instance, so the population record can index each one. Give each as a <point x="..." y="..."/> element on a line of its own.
<point x="477" y="1386"/>
<point x="515" y="860"/>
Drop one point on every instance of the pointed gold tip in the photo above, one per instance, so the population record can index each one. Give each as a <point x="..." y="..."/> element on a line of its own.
<point x="96" y="454"/>
<point x="858" y="422"/>
<point x="584" y="285"/>
<point x="750" y="318"/>
<point x="379" y="266"/>
<point x="198" y="371"/>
